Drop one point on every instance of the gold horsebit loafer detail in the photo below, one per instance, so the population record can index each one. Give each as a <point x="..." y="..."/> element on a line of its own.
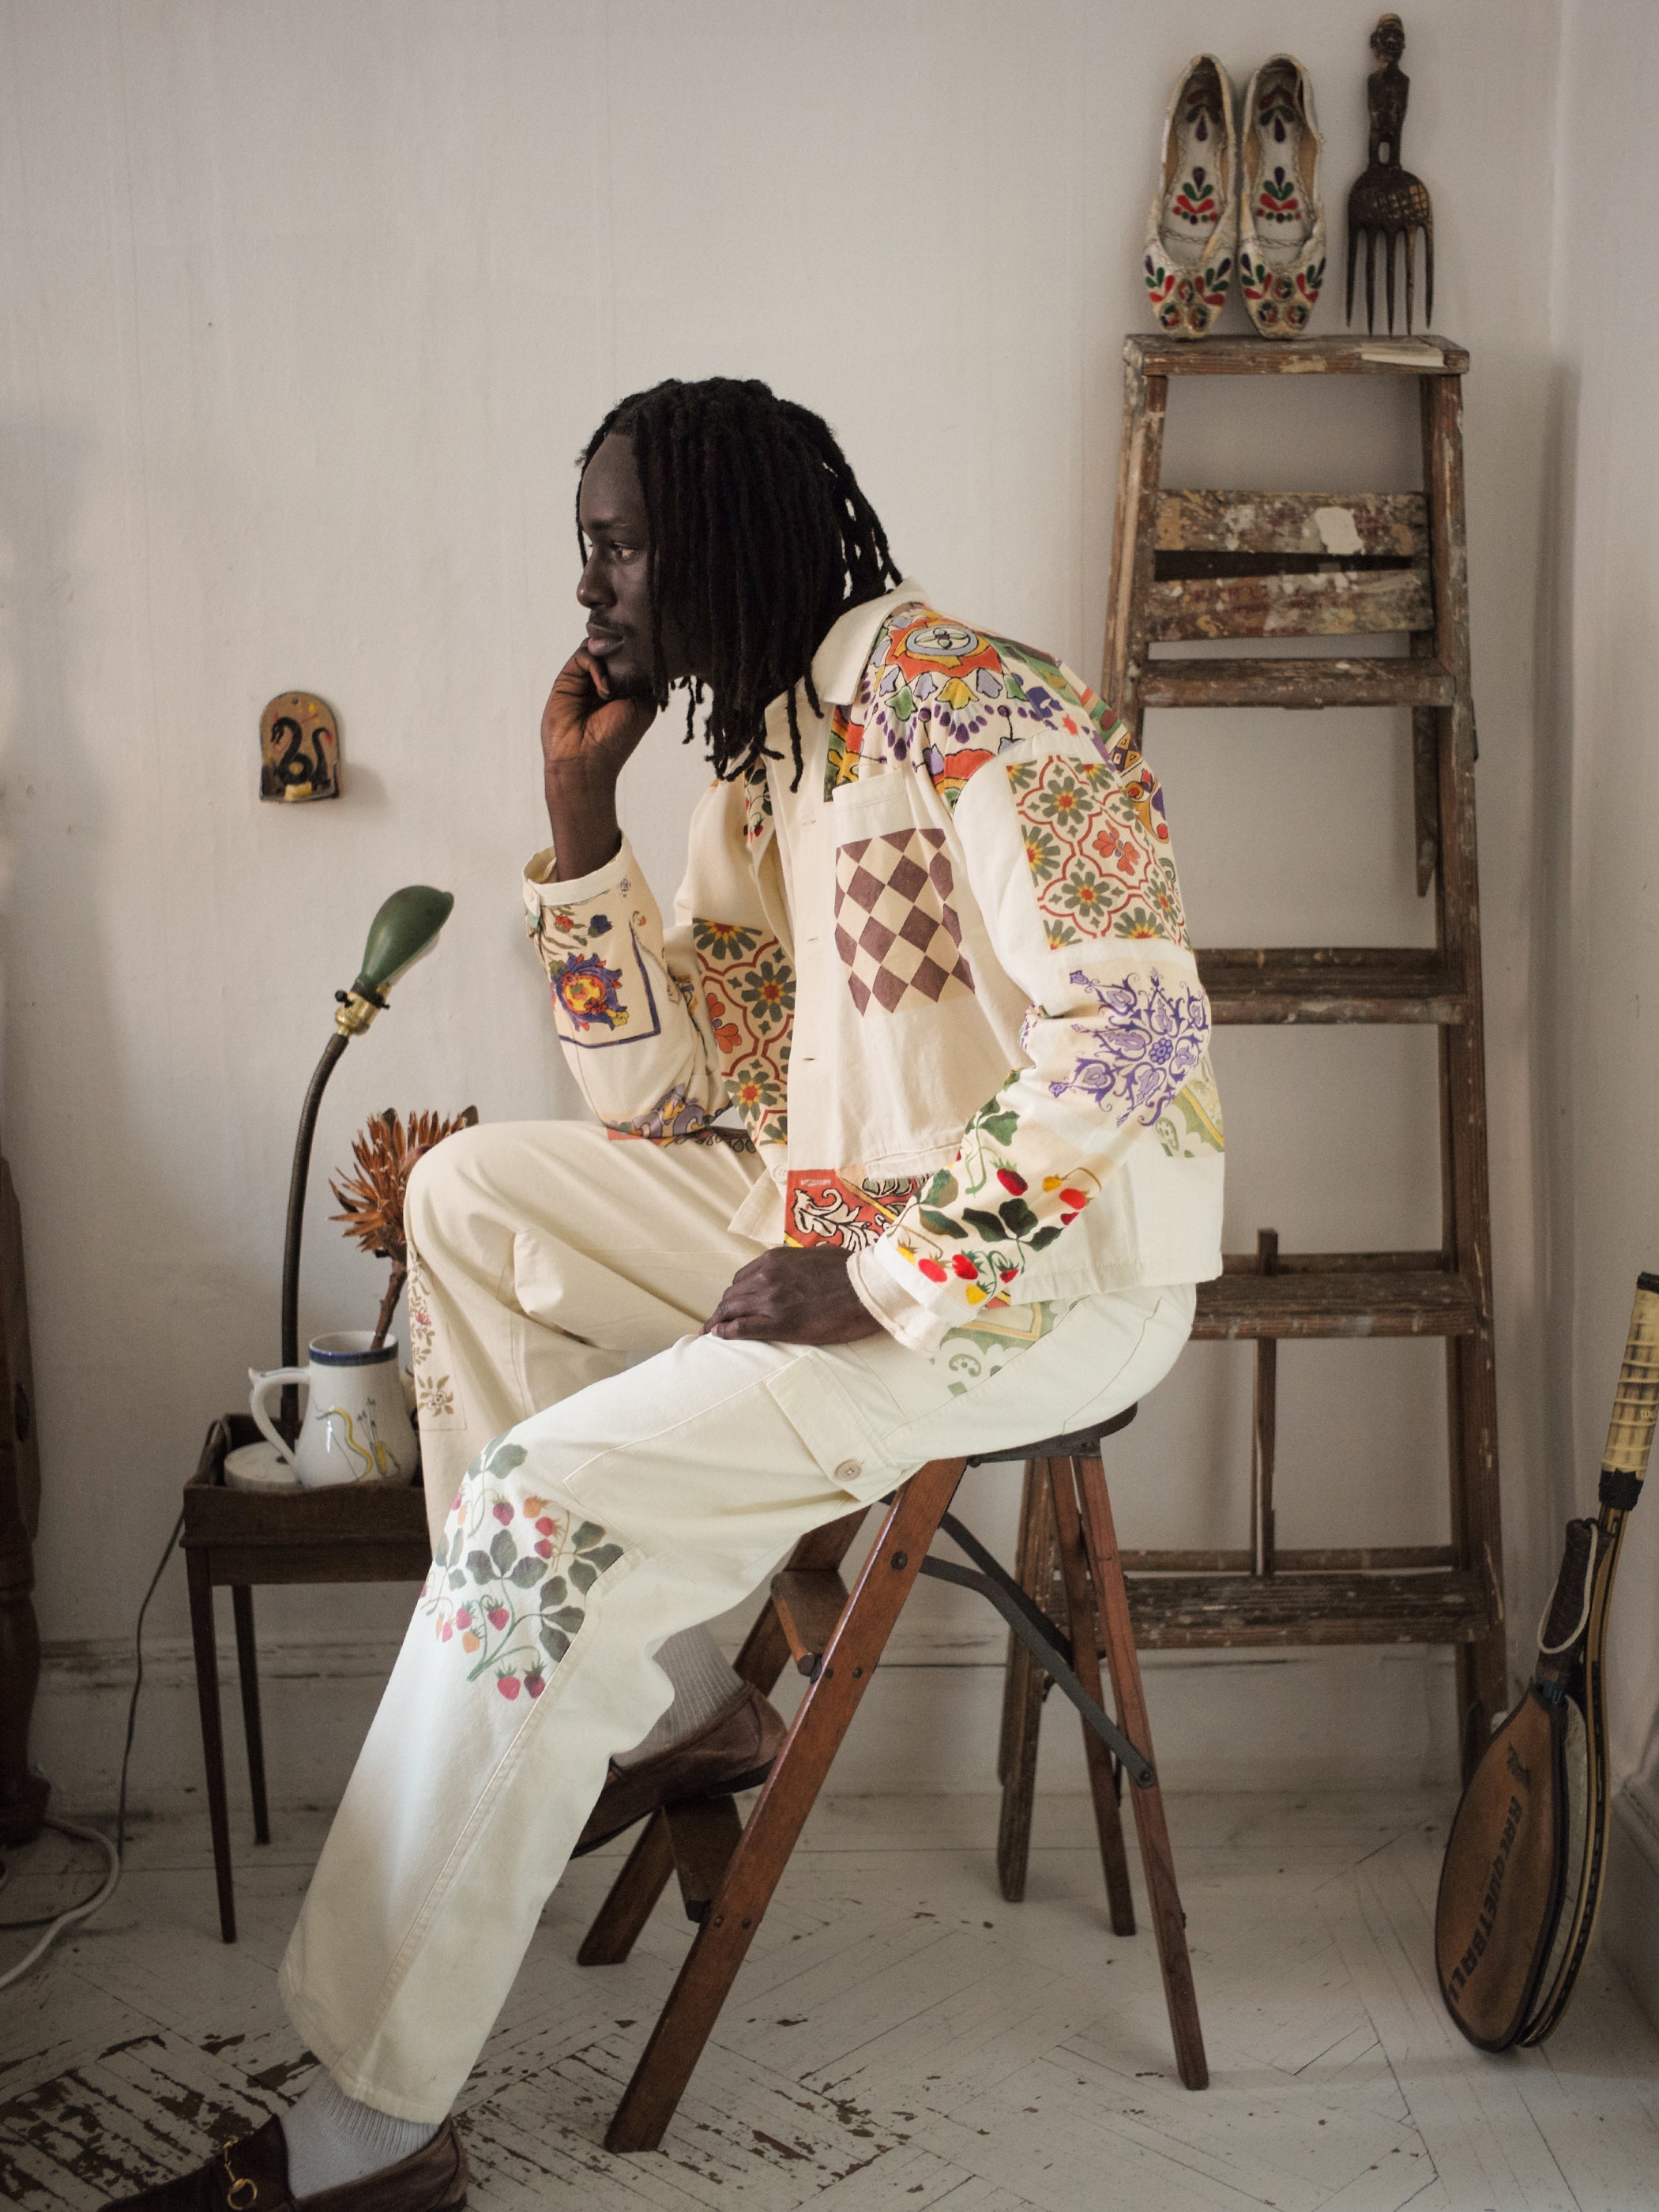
<point x="251" y="2175"/>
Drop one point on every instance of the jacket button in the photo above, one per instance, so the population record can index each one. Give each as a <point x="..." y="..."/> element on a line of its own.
<point x="849" y="1470"/>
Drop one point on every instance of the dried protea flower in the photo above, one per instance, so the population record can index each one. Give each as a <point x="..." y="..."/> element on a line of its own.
<point x="373" y="1199"/>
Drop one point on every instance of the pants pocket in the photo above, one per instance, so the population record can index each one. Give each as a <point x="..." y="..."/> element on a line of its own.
<point x="844" y="1440"/>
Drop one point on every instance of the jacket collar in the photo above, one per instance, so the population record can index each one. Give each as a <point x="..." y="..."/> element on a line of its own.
<point x="839" y="661"/>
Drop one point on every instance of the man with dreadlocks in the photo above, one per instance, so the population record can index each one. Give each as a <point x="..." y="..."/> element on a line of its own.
<point x="929" y="957"/>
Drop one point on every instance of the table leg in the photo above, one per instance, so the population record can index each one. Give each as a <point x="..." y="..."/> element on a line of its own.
<point x="247" y="1664"/>
<point x="213" y="1736"/>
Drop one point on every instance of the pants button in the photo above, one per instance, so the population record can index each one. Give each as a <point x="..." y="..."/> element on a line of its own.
<point x="849" y="1470"/>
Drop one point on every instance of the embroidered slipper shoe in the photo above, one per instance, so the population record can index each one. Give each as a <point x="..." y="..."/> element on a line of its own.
<point x="1192" y="232"/>
<point x="251" y="2176"/>
<point x="1281" y="218"/>
<point x="734" y="1751"/>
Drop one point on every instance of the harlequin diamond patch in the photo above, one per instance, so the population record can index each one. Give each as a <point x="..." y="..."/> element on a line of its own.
<point x="896" y="931"/>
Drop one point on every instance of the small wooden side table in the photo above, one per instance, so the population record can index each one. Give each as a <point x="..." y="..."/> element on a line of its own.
<point x="368" y="1532"/>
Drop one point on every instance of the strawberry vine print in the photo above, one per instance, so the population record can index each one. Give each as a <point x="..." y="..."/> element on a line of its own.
<point x="511" y="1578"/>
<point x="988" y="1211"/>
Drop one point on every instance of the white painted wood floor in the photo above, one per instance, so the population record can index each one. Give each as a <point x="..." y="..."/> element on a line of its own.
<point x="900" y="2038"/>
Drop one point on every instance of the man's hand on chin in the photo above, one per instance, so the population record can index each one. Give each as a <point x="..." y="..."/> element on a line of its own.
<point x="793" y="1296"/>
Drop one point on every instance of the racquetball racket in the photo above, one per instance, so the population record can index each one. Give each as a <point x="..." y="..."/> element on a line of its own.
<point x="1524" y="1860"/>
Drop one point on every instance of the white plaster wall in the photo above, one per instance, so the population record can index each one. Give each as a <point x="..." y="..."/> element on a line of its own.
<point x="1597" y="841"/>
<point x="308" y="308"/>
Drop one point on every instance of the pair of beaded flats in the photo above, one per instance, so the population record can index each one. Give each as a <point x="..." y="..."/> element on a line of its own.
<point x="1218" y="202"/>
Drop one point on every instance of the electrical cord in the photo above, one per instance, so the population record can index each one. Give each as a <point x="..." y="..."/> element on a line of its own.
<point x="54" y="1923"/>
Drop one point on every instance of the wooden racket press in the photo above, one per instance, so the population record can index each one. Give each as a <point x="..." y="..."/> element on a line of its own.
<point x="1189" y="565"/>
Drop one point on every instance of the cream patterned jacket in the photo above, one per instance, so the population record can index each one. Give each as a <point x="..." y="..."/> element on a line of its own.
<point x="945" y="982"/>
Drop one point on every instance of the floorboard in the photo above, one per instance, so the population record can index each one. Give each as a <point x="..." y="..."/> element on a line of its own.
<point x="900" y="2040"/>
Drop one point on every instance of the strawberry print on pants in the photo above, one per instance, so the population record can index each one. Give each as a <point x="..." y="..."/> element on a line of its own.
<point x="509" y="1584"/>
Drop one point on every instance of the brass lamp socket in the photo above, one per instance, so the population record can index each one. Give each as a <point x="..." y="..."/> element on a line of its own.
<point x="357" y="1009"/>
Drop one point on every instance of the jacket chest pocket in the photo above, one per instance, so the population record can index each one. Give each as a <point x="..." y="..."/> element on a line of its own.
<point x="896" y="922"/>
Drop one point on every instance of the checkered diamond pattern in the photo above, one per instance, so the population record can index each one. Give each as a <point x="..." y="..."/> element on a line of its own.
<point x="896" y="931"/>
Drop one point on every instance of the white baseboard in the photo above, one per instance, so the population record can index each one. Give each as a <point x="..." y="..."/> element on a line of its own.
<point x="1340" y="1718"/>
<point x="1629" y="1898"/>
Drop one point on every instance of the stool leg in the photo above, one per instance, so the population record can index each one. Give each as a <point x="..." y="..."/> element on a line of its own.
<point x="1085" y="1661"/>
<point x="633" y="1897"/>
<point x="1022" y="1691"/>
<point x="764" y="1656"/>
<point x="213" y="1734"/>
<point x="1157" y="1862"/>
<point x="247" y="1665"/>
<point x="825" y="1713"/>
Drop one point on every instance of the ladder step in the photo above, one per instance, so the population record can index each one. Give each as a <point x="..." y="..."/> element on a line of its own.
<point x="1394" y="1302"/>
<point x="703" y="1833"/>
<point x="1281" y="683"/>
<point x="810" y="1601"/>
<point x="1324" y="602"/>
<point x="1330" y="983"/>
<point x="1156" y="355"/>
<point x="1179" y="1612"/>
<point x="1376" y="524"/>
<point x="1371" y="1558"/>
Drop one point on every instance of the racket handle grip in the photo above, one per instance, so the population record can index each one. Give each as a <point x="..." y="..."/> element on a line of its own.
<point x="1636" y="1402"/>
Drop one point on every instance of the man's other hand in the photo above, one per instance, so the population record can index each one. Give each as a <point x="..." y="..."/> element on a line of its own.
<point x="793" y="1296"/>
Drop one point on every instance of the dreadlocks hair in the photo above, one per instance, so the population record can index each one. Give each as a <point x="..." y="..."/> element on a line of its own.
<point x="760" y="537"/>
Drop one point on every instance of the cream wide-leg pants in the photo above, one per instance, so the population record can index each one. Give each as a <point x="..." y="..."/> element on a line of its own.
<point x="644" y="1499"/>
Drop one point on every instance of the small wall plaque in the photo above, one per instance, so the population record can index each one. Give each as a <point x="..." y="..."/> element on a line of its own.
<point x="299" y="749"/>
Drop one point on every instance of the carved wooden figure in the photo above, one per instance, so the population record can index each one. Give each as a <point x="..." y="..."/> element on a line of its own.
<point x="299" y="748"/>
<point x="1387" y="202"/>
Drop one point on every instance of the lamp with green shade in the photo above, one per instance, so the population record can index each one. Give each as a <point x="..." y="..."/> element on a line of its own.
<point x="406" y="926"/>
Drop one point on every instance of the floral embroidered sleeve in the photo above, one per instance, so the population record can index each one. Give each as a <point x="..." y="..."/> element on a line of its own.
<point x="625" y="1003"/>
<point x="1063" y="835"/>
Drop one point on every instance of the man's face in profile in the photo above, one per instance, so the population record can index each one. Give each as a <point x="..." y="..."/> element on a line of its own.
<point x="615" y="579"/>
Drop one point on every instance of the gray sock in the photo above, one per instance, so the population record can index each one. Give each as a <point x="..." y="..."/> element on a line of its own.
<point x="704" y="1686"/>
<point x="333" y="2139"/>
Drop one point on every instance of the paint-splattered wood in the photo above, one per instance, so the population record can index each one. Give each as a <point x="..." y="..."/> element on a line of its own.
<point x="1357" y="1558"/>
<point x="1483" y="1680"/>
<point x="1153" y="355"/>
<point x="1338" y="603"/>
<point x="1338" y="1305"/>
<point x="1337" y="1263"/>
<point x="1187" y="1611"/>
<point x="1327" y="523"/>
<point x="1293" y="683"/>
<point x="1276" y="984"/>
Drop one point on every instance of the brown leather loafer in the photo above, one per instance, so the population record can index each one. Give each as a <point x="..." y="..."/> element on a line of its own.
<point x="734" y="1751"/>
<point x="251" y="2176"/>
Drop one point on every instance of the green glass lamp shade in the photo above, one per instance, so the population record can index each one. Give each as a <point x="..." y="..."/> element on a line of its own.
<point x="402" y="929"/>
<point x="406" y="926"/>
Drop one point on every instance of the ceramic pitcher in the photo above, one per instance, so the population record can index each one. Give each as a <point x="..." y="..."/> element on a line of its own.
<point x="356" y="1427"/>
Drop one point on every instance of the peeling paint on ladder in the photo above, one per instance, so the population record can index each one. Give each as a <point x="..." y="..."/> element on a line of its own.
<point x="1338" y="530"/>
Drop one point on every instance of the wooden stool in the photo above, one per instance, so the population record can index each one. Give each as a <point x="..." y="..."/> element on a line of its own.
<point x="728" y="1870"/>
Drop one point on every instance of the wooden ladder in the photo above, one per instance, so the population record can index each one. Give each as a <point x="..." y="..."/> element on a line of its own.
<point x="1190" y="565"/>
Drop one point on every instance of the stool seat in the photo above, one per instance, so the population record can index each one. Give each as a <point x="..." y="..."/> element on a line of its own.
<point x="1077" y="1444"/>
